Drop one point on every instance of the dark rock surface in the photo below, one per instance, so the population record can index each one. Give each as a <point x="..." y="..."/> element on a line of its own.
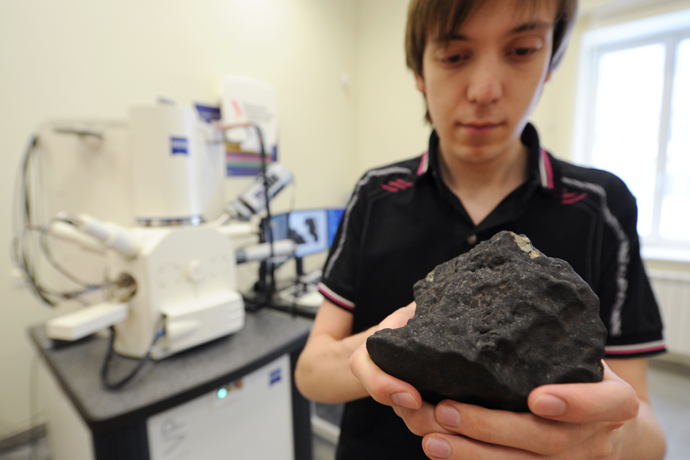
<point x="493" y="324"/>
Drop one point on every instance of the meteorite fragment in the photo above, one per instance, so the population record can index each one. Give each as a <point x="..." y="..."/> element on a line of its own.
<point x="493" y="324"/>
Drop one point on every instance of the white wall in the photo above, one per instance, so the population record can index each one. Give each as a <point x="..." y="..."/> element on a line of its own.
<point x="390" y="111"/>
<point x="86" y="59"/>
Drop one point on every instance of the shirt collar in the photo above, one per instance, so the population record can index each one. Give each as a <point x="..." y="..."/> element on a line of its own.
<point x="541" y="166"/>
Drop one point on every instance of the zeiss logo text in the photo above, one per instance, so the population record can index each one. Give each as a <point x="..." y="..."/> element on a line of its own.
<point x="275" y="377"/>
<point x="178" y="145"/>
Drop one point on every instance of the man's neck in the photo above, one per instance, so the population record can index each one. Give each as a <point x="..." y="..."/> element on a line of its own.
<point x="482" y="186"/>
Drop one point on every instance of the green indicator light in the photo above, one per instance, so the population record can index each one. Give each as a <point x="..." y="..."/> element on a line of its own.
<point x="222" y="393"/>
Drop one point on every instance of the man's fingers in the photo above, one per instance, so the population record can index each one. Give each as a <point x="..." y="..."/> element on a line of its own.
<point x="523" y="431"/>
<point x="612" y="400"/>
<point x="398" y="318"/>
<point x="439" y="446"/>
<point x="443" y="446"/>
<point x="422" y="421"/>
<point x="384" y="388"/>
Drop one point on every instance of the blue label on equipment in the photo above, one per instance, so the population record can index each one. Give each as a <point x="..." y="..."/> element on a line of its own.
<point x="178" y="145"/>
<point x="207" y="113"/>
<point x="275" y="377"/>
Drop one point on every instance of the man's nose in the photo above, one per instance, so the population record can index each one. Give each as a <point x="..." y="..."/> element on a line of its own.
<point x="485" y="86"/>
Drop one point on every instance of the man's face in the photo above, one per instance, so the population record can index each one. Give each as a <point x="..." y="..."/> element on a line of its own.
<point x="482" y="86"/>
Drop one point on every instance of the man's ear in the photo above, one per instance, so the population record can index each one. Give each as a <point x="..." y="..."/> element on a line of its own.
<point x="419" y="83"/>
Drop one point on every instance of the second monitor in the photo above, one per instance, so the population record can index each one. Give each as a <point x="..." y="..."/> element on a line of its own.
<point x="313" y="230"/>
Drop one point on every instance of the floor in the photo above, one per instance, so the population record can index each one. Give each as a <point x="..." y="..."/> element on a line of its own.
<point x="669" y="387"/>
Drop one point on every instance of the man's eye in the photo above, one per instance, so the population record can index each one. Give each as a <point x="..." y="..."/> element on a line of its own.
<point x="523" y="51"/>
<point x="454" y="59"/>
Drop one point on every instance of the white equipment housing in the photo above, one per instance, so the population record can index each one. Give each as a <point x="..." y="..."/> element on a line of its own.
<point x="187" y="275"/>
<point x="169" y="152"/>
<point x="184" y="269"/>
<point x="84" y="322"/>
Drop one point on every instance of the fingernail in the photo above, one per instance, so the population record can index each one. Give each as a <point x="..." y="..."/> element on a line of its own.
<point x="437" y="447"/>
<point x="448" y="416"/>
<point x="549" y="406"/>
<point x="404" y="400"/>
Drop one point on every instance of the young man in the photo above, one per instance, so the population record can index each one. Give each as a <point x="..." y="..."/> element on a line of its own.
<point x="481" y="66"/>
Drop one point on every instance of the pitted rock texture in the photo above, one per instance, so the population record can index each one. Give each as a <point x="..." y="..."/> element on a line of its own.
<point x="493" y="324"/>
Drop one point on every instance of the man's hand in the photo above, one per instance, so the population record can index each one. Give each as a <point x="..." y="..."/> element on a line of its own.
<point x="323" y="372"/>
<point x="568" y="421"/>
<point x="381" y="386"/>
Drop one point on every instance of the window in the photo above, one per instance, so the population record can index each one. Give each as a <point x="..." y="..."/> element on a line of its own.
<point x="634" y="120"/>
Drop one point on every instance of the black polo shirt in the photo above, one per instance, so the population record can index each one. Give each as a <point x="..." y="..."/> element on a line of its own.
<point x="402" y="221"/>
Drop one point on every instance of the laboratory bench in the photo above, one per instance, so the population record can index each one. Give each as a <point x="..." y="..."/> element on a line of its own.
<point x="182" y="398"/>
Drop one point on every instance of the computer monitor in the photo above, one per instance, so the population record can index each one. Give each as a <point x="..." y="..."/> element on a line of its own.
<point x="309" y="229"/>
<point x="312" y="229"/>
<point x="333" y="215"/>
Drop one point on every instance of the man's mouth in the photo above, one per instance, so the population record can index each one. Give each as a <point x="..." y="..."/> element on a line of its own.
<point x="481" y="127"/>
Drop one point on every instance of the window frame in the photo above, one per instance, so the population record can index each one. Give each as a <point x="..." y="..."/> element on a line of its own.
<point x="669" y="30"/>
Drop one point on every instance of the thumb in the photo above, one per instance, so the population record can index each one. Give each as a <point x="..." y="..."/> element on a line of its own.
<point x="611" y="400"/>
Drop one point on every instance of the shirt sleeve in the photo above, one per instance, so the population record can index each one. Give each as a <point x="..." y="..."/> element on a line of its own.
<point x="339" y="280"/>
<point x="628" y="305"/>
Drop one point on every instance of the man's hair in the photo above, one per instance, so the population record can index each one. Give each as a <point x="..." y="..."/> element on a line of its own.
<point x="443" y="17"/>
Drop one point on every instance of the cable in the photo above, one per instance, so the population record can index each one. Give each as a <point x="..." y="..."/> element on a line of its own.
<point x="105" y="367"/>
<point x="20" y="253"/>
<point x="19" y="250"/>
<point x="269" y="230"/>
<point x="22" y="248"/>
<point x="26" y="203"/>
<point x="21" y="262"/>
<point x="49" y="256"/>
<point x="48" y="295"/>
